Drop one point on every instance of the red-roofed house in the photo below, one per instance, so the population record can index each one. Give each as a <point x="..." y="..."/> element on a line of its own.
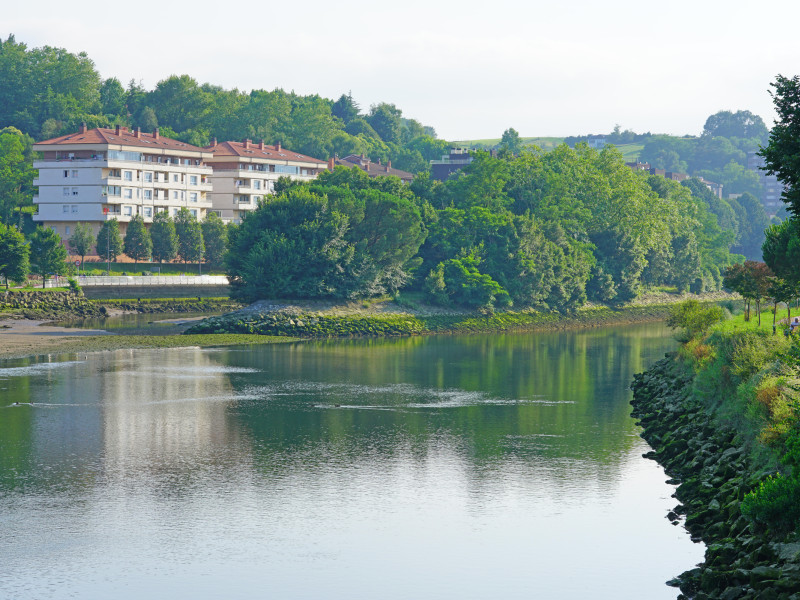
<point x="373" y="169"/>
<point x="246" y="171"/>
<point x="95" y="175"/>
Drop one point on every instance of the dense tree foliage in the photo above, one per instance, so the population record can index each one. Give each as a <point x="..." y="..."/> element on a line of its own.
<point x="14" y="255"/>
<point x="164" y="237"/>
<point x="215" y="238"/>
<point x="782" y="154"/>
<point x="47" y="255"/>
<point x="138" y="244"/>
<point x="109" y="244"/>
<point x="191" y="247"/>
<point x="81" y="241"/>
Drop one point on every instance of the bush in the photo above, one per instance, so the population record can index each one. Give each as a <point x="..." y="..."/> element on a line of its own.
<point x="74" y="287"/>
<point x="775" y="502"/>
<point x="695" y="318"/>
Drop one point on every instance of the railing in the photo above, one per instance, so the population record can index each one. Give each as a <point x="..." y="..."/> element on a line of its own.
<point x="136" y="280"/>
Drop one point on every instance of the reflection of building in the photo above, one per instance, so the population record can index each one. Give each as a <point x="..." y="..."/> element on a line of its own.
<point x="771" y="188"/>
<point x="98" y="174"/>
<point x="246" y="171"/>
<point x="370" y="168"/>
<point x="455" y="161"/>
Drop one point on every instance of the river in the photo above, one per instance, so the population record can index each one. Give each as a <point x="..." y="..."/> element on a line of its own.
<point x="468" y="467"/>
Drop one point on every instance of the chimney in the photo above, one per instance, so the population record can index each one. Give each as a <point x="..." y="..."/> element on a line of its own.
<point x="155" y="133"/>
<point x="261" y="145"/>
<point x="246" y="144"/>
<point x="82" y="128"/>
<point x="117" y="129"/>
<point x="331" y="164"/>
<point x="213" y="142"/>
<point x="278" y="146"/>
<point x="388" y="165"/>
<point x="137" y="132"/>
<point x="379" y="162"/>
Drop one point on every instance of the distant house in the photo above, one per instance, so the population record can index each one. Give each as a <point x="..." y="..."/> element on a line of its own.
<point x="716" y="188"/>
<point x="771" y="188"/>
<point x="596" y="141"/>
<point x="455" y="161"/>
<point x="373" y="169"/>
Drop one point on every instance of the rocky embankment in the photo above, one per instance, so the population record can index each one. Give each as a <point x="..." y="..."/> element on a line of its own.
<point x="714" y="467"/>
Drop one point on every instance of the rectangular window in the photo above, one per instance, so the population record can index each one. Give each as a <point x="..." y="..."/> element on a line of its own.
<point x="54" y="228"/>
<point x="193" y="212"/>
<point x="174" y="194"/>
<point x="192" y="179"/>
<point x="66" y="230"/>
<point x="74" y="173"/>
<point x="148" y="212"/>
<point x="174" y="212"/>
<point x="176" y="178"/>
<point x="65" y="208"/>
<point x="74" y="191"/>
<point x="256" y="184"/>
<point x="183" y="195"/>
<point x="193" y="197"/>
<point x="127" y="193"/>
<point x="74" y="208"/>
<point x="66" y="192"/>
<point x="148" y="194"/>
<point x="66" y="173"/>
<point x="112" y="190"/>
<point x="128" y="175"/>
<point x="127" y="211"/>
<point x="148" y="177"/>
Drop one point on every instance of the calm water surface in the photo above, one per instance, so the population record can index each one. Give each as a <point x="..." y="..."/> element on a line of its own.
<point x="475" y="467"/>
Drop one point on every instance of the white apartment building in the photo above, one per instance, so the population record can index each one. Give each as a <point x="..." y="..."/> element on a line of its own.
<point x="95" y="175"/>
<point x="244" y="172"/>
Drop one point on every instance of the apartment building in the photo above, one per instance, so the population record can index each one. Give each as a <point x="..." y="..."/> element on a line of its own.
<point x="244" y="172"/>
<point x="99" y="174"/>
<point x="771" y="188"/>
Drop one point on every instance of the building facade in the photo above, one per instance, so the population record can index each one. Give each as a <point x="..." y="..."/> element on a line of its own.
<point x="373" y="169"/>
<point x="771" y="188"/>
<point x="96" y="175"/>
<point x="243" y="172"/>
<point x="450" y="163"/>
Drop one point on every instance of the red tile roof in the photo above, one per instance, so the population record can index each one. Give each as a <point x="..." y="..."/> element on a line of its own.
<point x="373" y="169"/>
<point x="254" y="150"/>
<point x="122" y="138"/>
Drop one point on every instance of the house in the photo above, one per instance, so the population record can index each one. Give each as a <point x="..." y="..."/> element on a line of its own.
<point x="370" y="168"/>
<point x="596" y="141"/>
<point x="450" y="163"/>
<point x="771" y="188"/>
<point x="99" y="174"/>
<point x="244" y="172"/>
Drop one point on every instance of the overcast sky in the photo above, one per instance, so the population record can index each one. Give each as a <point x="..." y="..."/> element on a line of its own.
<point x="470" y="69"/>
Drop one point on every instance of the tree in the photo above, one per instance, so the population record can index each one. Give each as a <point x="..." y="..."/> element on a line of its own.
<point x="47" y="255"/>
<point x="112" y="97"/>
<point x="511" y="141"/>
<point x="752" y="280"/>
<point x="164" y="237"/>
<point x="345" y="108"/>
<point x="781" y="154"/>
<point x="138" y="244"/>
<point x="14" y="254"/>
<point x="109" y="241"/>
<point x="386" y="120"/>
<point x="215" y="237"/>
<point x="16" y="173"/>
<point x="81" y="241"/>
<point x="190" y="237"/>
<point x="741" y="124"/>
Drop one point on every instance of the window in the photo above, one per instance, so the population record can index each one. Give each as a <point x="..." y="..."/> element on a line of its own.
<point x="176" y="178"/>
<point x="127" y="211"/>
<point x="192" y="179"/>
<point x="66" y="172"/>
<point x="148" y="177"/>
<point x="183" y="195"/>
<point x="66" y="230"/>
<point x="54" y="228"/>
<point x="74" y="208"/>
<point x="193" y="212"/>
<point x="65" y="208"/>
<point x="74" y="191"/>
<point x="148" y="194"/>
<point x="66" y="192"/>
<point x="127" y="193"/>
<point x="128" y="175"/>
<point x="112" y="190"/>
<point x="174" y="212"/>
<point x="193" y="197"/>
<point x="256" y="184"/>
<point x="148" y="212"/>
<point x="174" y="194"/>
<point x="74" y="173"/>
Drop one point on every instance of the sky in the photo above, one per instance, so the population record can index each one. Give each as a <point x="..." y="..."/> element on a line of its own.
<point x="470" y="69"/>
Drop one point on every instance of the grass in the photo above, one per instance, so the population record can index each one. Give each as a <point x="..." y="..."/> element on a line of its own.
<point x="737" y="322"/>
<point x="630" y="152"/>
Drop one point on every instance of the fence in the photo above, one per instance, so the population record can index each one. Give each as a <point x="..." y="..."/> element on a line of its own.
<point x="143" y="280"/>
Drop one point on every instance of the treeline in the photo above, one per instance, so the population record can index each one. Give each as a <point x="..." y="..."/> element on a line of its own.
<point x="41" y="251"/>
<point x="544" y="230"/>
<point x="46" y="92"/>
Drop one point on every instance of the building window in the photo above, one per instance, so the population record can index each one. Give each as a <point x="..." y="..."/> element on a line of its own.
<point x="66" y="172"/>
<point x="183" y="195"/>
<point x="193" y="180"/>
<point x="112" y="190"/>
<point x="74" y="191"/>
<point x="256" y="184"/>
<point x="65" y="208"/>
<point x="127" y="211"/>
<point x="148" y="177"/>
<point x="193" y="212"/>
<point x="74" y="208"/>
<point x="148" y="194"/>
<point x="148" y="212"/>
<point x="54" y="228"/>
<point x="74" y="173"/>
<point x="66" y="230"/>
<point x="174" y="194"/>
<point x="175" y="178"/>
<point x="128" y="175"/>
<point x="193" y="197"/>
<point x="127" y="193"/>
<point x="174" y="212"/>
<point x="66" y="191"/>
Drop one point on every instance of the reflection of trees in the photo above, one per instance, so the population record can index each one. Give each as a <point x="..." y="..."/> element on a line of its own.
<point x="534" y="396"/>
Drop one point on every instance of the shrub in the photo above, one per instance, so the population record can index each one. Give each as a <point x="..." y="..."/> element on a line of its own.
<point x="775" y="502"/>
<point x="74" y="286"/>
<point x="694" y="318"/>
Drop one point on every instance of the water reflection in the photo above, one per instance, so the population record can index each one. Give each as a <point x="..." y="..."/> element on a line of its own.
<point x="469" y="467"/>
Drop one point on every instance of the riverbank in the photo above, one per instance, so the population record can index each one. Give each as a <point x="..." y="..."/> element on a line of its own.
<point x="318" y="319"/>
<point x="712" y="428"/>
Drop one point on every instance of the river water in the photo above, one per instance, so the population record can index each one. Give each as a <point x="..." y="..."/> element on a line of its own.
<point x="468" y="467"/>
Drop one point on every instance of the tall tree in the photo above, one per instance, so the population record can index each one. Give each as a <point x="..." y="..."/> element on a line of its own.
<point x="782" y="152"/>
<point x="138" y="244"/>
<point x="109" y="241"/>
<point x="14" y="255"/>
<point x="215" y="238"/>
<point x="511" y="141"/>
<point x="81" y="241"/>
<point x="47" y="254"/>
<point x="16" y="173"/>
<point x="165" y="239"/>
<point x="190" y="237"/>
